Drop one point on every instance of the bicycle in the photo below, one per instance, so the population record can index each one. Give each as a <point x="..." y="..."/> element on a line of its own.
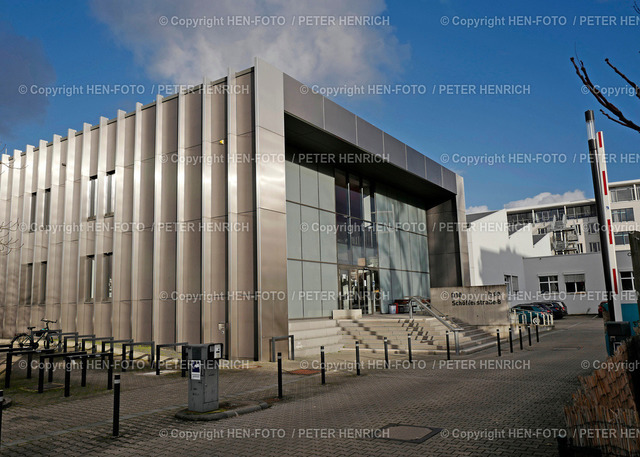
<point x="27" y="339"/>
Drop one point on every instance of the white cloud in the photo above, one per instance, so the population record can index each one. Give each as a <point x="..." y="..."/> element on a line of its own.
<point x="335" y="55"/>
<point x="546" y="198"/>
<point x="477" y="209"/>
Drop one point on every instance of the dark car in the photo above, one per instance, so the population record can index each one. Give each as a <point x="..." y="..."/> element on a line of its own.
<point x="554" y="308"/>
<point x="563" y="306"/>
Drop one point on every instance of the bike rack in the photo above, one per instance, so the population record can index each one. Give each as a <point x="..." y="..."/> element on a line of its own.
<point x="171" y="345"/>
<point x="83" y="360"/>
<point x="41" y="367"/>
<point x="94" y="340"/>
<point x="63" y="339"/>
<point x="19" y="351"/>
<point x="131" y="346"/>
<point x="66" y="338"/>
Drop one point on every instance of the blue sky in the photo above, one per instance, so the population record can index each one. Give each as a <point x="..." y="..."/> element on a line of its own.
<point x="47" y="44"/>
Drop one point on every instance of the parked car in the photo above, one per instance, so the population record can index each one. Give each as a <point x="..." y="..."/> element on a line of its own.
<point x="533" y="313"/>
<point x="563" y="306"/>
<point x="554" y="307"/>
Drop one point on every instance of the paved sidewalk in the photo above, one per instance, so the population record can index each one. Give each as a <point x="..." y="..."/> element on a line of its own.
<point x="482" y="408"/>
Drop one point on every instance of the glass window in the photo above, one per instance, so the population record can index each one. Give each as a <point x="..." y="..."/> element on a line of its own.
<point x="109" y="191"/>
<point x="626" y="280"/>
<point x="90" y="278"/>
<point x="357" y="242"/>
<point x="42" y="287"/>
<point x="342" y="198"/>
<point x="621" y="238"/>
<point x="93" y="196"/>
<point x="548" y="284"/>
<point x="511" y="282"/>
<point x="622" y="215"/>
<point x="594" y="246"/>
<point x="368" y="208"/>
<point x="47" y="208"/>
<point x="574" y="283"/>
<point x="27" y="283"/>
<point x="355" y="197"/>
<point x="107" y="269"/>
<point x="32" y="212"/>
<point x="342" y="236"/>
<point x="622" y="194"/>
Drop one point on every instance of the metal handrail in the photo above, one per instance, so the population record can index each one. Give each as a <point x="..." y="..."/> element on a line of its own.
<point x="440" y="317"/>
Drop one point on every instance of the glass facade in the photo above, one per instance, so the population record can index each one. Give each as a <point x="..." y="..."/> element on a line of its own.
<point x="351" y="243"/>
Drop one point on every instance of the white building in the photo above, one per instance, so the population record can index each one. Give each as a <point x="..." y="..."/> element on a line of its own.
<point x="552" y="251"/>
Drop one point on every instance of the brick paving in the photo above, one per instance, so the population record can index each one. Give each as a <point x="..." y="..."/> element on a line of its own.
<point x="468" y="396"/>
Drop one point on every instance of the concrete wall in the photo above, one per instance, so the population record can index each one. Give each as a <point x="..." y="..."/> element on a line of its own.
<point x="485" y="306"/>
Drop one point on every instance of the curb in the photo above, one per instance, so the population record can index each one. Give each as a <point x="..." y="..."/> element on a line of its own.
<point x="249" y="407"/>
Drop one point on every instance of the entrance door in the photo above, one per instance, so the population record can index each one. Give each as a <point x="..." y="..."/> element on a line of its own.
<point x="359" y="289"/>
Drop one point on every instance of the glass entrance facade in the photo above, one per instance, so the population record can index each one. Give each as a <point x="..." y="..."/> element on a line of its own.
<point x="352" y="243"/>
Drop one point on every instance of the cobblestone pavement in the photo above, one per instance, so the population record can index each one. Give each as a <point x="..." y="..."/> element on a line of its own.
<point x="483" y="409"/>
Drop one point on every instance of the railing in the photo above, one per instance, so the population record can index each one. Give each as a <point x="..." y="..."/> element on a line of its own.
<point x="530" y="317"/>
<point x="440" y="317"/>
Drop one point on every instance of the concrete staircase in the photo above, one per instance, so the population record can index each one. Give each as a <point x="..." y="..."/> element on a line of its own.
<point x="427" y="335"/>
<point x="310" y="334"/>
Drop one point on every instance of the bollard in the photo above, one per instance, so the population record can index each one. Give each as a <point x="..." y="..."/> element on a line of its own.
<point x="537" y="335"/>
<point x="158" y="360"/>
<point x="529" y="333"/>
<point x="83" y="363"/>
<point x="116" y="406"/>
<point x="510" y="339"/>
<point x="409" y="345"/>
<point x="110" y="372"/>
<point x="386" y="353"/>
<point x="448" y="347"/>
<point x="358" y="358"/>
<point x="520" y="333"/>
<point x="322" y="363"/>
<point x="279" y="374"/>
<point x="7" y="374"/>
<point x="498" y="337"/>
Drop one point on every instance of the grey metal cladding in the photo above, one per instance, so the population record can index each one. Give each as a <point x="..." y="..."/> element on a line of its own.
<point x="339" y="121"/>
<point x="394" y="151"/>
<point x="369" y="137"/>
<point x="302" y="102"/>
<point x="416" y="162"/>
<point x="449" y="180"/>
<point x="434" y="171"/>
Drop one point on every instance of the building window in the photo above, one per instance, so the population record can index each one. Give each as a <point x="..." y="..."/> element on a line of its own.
<point x="579" y="212"/>
<point x="626" y="280"/>
<point x="93" y="196"/>
<point x="622" y="215"/>
<point x="109" y="192"/>
<point x="622" y="194"/>
<point x="107" y="268"/>
<point x="548" y="284"/>
<point x="511" y="282"/>
<point x="621" y="238"/>
<point x="574" y="283"/>
<point x="47" y="208"/>
<point x="32" y="212"/>
<point x="578" y="229"/>
<point x="27" y="283"/>
<point x="580" y="248"/>
<point x="591" y="227"/>
<point x="594" y="246"/>
<point x="90" y="278"/>
<point x="342" y="193"/>
<point x="42" y="287"/>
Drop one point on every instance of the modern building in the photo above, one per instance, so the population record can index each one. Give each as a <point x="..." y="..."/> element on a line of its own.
<point x="553" y="251"/>
<point x="574" y="226"/>
<point x="222" y="212"/>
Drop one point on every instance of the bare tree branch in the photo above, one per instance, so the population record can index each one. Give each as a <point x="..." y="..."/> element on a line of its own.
<point x="623" y="76"/>
<point x="581" y="71"/>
